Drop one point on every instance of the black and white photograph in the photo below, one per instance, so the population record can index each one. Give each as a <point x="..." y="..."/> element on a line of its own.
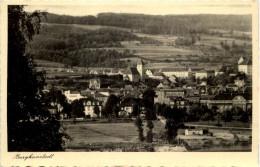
<point x="130" y="78"/>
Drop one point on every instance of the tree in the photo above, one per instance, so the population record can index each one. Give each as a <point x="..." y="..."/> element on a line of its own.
<point x="244" y="117"/>
<point x="227" y="116"/>
<point x="207" y="114"/>
<point x="149" y="136"/>
<point x="77" y="109"/>
<point x="148" y="100"/>
<point x="96" y="110"/>
<point x="111" y="102"/>
<point x="139" y="125"/>
<point x="115" y="110"/>
<point x="173" y="121"/>
<point x="25" y="85"/>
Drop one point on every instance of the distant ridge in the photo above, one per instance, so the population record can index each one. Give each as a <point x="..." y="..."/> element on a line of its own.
<point x="159" y="24"/>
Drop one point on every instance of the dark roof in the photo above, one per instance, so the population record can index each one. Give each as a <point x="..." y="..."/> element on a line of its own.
<point x="228" y="96"/>
<point x="131" y="70"/>
<point x="140" y="61"/>
<point x="206" y="97"/>
<point x="129" y="102"/>
<point x="197" y="69"/>
<point x="247" y="61"/>
<point x="174" y="69"/>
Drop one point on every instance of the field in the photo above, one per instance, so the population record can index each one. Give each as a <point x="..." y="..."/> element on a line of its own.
<point x="123" y="136"/>
<point x="85" y="134"/>
<point x="215" y="41"/>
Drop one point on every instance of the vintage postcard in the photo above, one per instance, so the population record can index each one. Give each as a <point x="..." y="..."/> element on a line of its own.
<point x="129" y="83"/>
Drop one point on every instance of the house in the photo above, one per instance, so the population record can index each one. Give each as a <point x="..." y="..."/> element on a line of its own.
<point x="200" y="74"/>
<point x="52" y="109"/>
<point x="228" y="101"/>
<point x="94" y="72"/>
<point x="72" y="95"/>
<point x="94" y="83"/>
<point x="189" y="132"/>
<point x="132" y="74"/>
<point x="89" y="107"/>
<point x="163" y="95"/>
<point x="135" y="74"/>
<point x="219" y="72"/>
<point x="129" y="105"/>
<point x="241" y="59"/>
<point x="204" y="74"/>
<point x="190" y="85"/>
<point x="180" y="102"/>
<point x="173" y="79"/>
<point x="245" y="65"/>
<point x="149" y="73"/>
<point x="70" y="70"/>
<point x="178" y="72"/>
<point x="157" y="75"/>
<point x="101" y="97"/>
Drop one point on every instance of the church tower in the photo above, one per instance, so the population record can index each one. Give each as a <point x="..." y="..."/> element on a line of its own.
<point x="140" y="68"/>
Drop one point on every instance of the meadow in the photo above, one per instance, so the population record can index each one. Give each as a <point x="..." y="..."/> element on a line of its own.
<point x="85" y="134"/>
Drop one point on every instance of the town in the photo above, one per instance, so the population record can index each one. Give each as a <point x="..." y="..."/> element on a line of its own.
<point x="122" y="82"/>
<point x="183" y="87"/>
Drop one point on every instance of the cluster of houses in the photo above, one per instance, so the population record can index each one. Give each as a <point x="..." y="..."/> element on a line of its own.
<point x="222" y="98"/>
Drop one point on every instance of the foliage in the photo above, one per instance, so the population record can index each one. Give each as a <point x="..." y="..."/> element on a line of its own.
<point x="115" y="110"/>
<point x="96" y="110"/>
<point x="148" y="100"/>
<point x="30" y="126"/>
<point x="111" y="102"/>
<point x="73" y="46"/>
<point x="149" y="135"/>
<point x="174" y="117"/>
<point x="168" y="24"/>
<point x="77" y="109"/>
<point x="227" y="116"/>
<point x="139" y="125"/>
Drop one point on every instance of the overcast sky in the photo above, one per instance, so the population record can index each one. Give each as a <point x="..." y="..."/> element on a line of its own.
<point x="154" y="8"/>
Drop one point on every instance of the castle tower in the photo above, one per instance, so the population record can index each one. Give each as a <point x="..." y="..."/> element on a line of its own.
<point x="140" y="68"/>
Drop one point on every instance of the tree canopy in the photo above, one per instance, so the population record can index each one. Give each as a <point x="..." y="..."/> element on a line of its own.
<point x="25" y="84"/>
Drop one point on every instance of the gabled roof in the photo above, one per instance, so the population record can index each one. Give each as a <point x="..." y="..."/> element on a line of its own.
<point x="100" y="95"/>
<point x="131" y="70"/>
<point x="247" y="61"/>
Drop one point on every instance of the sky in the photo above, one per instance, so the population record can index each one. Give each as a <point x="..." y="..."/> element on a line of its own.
<point x="153" y="8"/>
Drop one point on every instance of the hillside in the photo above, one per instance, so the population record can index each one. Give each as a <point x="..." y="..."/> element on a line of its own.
<point x="168" y="24"/>
<point x="82" y="45"/>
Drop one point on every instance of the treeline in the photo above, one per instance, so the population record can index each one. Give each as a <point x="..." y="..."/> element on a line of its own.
<point x="84" y="58"/>
<point x="57" y="37"/>
<point x="168" y="24"/>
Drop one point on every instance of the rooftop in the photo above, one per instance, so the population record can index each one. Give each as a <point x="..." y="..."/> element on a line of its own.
<point x="131" y="70"/>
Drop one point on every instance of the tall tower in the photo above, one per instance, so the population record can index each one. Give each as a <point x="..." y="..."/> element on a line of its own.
<point x="140" y="68"/>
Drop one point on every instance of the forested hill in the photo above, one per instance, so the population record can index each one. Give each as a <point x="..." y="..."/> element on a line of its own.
<point x="156" y="24"/>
